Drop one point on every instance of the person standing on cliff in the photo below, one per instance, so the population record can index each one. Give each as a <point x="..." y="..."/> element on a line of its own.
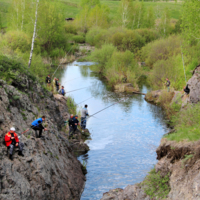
<point x="12" y="141"/>
<point x="48" y="80"/>
<point x="62" y="91"/>
<point x="71" y="123"/>
<point x="57" y="84"/>
<point x="37" y="126"/>
<point x="84" y="115"/>
<point x="168" y="84"/>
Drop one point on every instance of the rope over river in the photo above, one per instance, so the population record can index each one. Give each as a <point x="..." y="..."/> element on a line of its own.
<point x="124" y="136"/>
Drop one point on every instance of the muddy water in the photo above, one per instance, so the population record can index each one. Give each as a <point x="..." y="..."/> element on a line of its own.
<point x="124" y="136"/>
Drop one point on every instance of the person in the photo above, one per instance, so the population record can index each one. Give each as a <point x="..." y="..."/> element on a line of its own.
<point x="84" y="115"/>
<point x="186" y="89"/>
<point x="76" y="123"/>
<point x="12" y="141"/>
<point x="57" y="84"/>
<point x="62" y="91"/>
<point x="48" y="80"/>
<point x="71" y="124"/>
<point x="168" y="84"/>
<point x="37" y="125"/>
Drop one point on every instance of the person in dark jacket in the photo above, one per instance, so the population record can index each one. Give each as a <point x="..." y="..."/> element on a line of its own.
<point x="71" y="124"/>
<point x="37" y="126"/>
<point x="62" y="91"/>
<point x="12" y="141"/>
<point x="186" y="89"/>
<point x="57" y="84"/>
<point x="48" y="79"/>
<point x="168" y="84"/>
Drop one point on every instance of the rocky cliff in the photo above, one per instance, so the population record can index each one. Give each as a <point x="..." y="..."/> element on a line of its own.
<point x="49" y="169"/>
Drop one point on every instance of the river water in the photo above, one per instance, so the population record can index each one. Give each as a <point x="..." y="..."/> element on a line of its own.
<point x="124" y="136"/>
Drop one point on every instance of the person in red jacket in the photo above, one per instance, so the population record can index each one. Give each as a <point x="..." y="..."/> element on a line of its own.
<point x="12" y="141"/>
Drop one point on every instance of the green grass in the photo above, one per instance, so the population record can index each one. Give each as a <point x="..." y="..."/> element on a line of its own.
<point x="185" y="133"/>
<point x="72" y="7"/>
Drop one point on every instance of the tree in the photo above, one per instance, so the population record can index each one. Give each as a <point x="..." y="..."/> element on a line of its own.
<point x="191" y="19"/>
<point x="34" y="34"/>
<point x="125" y="11"/>
<point x="149" y="18"/>
<point x="164" y="25"/>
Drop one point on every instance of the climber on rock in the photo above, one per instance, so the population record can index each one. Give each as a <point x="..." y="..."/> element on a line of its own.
<point x="84" y="115"/>
<point x="73" y="123"/>
<point x="37" y="125"/>
<point x="12" y="141"/>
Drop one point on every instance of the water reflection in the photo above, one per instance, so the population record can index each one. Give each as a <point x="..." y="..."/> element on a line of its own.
<point x="124" y="136"/>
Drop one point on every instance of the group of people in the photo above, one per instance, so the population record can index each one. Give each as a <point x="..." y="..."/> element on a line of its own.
<point x="12" y="139"/>
<point x="186" y="89"/>
<point x="57" y="85"/>
<point x="74" y="122"/>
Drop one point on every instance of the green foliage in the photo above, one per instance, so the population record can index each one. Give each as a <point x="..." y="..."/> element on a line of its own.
<point x="90" y="3"/>
<point x="71" y="105"/>
<point x="123" y="39"/>
<point x="17" y="40"/>
<point x="11" y="68"/>
<point x="160" y="49"/>
<point x="78" y="39"/>
<point x="186" y="124"/>
<point x="191" y="20"/>
<point x="16" y="97"/>
<point x="155" y="185"/>
<point x="102" y="56"/>
<point x="71" y="28"/>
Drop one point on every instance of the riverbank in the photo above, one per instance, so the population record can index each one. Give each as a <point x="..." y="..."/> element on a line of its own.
<point x="49" y="169"/>
<point x="176" y="174"/>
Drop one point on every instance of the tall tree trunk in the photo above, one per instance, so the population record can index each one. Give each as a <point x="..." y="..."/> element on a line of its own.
<point x="34" y="33"/>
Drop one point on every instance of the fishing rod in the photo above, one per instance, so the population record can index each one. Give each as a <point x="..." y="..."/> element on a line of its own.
<point x="60" y="64"/>
<point x="105" y="108"/>
<point x="72" y="79"/>
<point x="84" y="101"/>
<point x="77" y="89"/>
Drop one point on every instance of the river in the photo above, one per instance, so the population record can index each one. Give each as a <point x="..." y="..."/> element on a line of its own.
<point x="124" y="136"/>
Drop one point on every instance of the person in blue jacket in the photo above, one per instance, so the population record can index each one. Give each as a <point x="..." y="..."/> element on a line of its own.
<point x="37" y="126"/>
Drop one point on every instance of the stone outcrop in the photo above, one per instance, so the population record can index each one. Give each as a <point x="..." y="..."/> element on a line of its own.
<point x="194" y="86"/>
<point x="125" y="87"/>
<point x="49" y="169"/>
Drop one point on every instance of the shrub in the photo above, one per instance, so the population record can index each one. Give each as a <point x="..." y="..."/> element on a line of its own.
<point x="155" y="185"/>
<point x="160" y="49"/>
<point x="17" y="40"/>
<point x="186" y="123"/>
<point x="78" y="39"/>
<point x="96" y="36"/>
<point x="71" y="28"/>
<point x="102" y="56"/>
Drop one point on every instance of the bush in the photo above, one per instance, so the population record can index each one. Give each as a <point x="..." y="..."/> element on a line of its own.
<point x="96" y="36"/>
<point x="121" y="67"/>
<point x="155" y="185"/>
<point x="17" y="40"/>
<point x="102" y="56"/>
<point x="186" y="123"/>
<point x="78" y="39"/>
<point x="160" y="49"/>
<point x="71" y="28"/>
<point x="171" y="68"/>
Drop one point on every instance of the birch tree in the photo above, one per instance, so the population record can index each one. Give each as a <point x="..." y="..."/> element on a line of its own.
<point x="34" y="34"/>
<point x="164" y="25"/>
<point x="125" y="10"/>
